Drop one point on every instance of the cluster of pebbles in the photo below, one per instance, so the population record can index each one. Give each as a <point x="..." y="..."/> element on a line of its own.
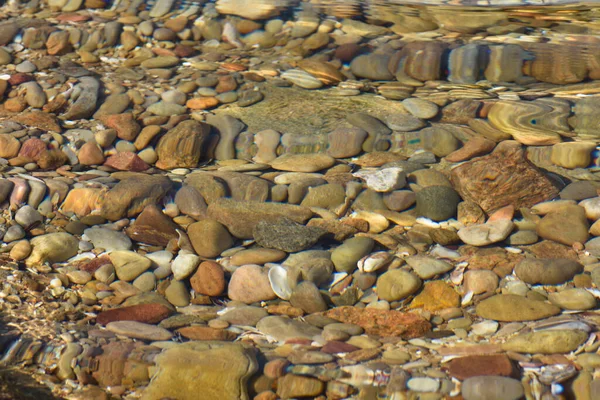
<point x="155" y="244"/>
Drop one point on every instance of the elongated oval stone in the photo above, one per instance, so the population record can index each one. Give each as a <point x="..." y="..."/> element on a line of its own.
<point x="549" y="341"/>
<point x="511" y="307"/>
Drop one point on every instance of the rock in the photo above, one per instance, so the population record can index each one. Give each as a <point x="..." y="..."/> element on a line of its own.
<point x="9" y="146"/>
<point x="21" y="250"/>
<point x="184" y="265"/>
<point x="257" y="256"/>
<point x="28" y="216"/>
<point x="474" y="147"/>
<point x="250" y="284"/>
<point x="190" y="202"/>
<point x="372" y="66"/>
<point x="209" y="238"/>
<point x="384" y="179"/>
<point x="550" y="341"/>
<point x="286" y="235"/>
<point x="114" y="104"/>
<point x="164" y="109"/>
<point x="566" y="225"/>
<point x="345" y="142"/>
<point x="177" y="294"/>
<point x="240" y="218"/>
<point x="572" y="154"/>
<point x="486" y="234"/>
<point x="438" y="203"/>
<point x="283" y="328"/>
<point x="573" y="299"/>
<point x="435" y="296"/>
<point x="182" y="146"/>
<point x="420" y="108"/>
<point x="307" y="297"/>
<point x="439" y="140"/>
<point x="129" y="197"/>
<point x="128" y="264"/>
<point x="427" y="267"/>
<point x="481" y="365"/>
<point x="124" y="124"/>
<point x="302" y="162"/>
<point x="266" y="142"/>
<point x="549" y="271"/>
<point x="330" y="196"/>
<point x="480" y="281"/>
<point x="302" y="79"/>
<point x="492" y="388"/>
<point x="291" y="386"/>
<point x="397" y="284"/>
<point x="107" y="239"/>
<point x="345" y="257"/>
<point x="90" y="154"/>
<point x="381" y="322"/>
<point x="52" y="247"/>
<point x="209" y="279"/>
<point x="263" y="10"/>
<point x="244" y="315"/>
<point x="203" y="371"/>
<point x="206" y="333"/>
<point x="138" y="330"/>
<point x="502" y="178"/>
<point x="403" y="122"/>
<point x="147" y="313"/>
<point x="228" y="129"/>
<point x="152" y="226"/>
<point x="510" y="307"/>
<point x="399" y="200"/>
<point x="85" y="105"/>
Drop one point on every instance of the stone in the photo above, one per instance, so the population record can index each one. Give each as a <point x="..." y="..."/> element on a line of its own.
<point x="177" y="293"/>
<point x="240" y="218"/>
<point x="124" y="124"/>
<point x="511" y="307"/>
<point x="492" y="388"/>
<point x="139" y="330"/>
<point x="151" y="313"/>
<point x="128" y="264"/>
<point x="382" y="323"/>
<point x="51" y="247"/>
<point x="114" y="104"/>
<point x="330" y="196"/>
<point x="228" y="128"/>
<point x="90" y="154"/>
<point x="427" y="267"/>
<point x="474" y="147"/>
<point x="325" y="72"/>
<point x="286" y="235"/>
<point x="184" y="265"/>
<point x="250" y="284"/>
<point x="486" y="234"/>
<point x="302" y="79"/>
<point x="209" y="238"/>
<point x="572" y="154"/>
<point x="181" y="147"/>
<point x="399" y="200"/>
<point x="283" y="328"/>
<point x="266" y="142"/>
<point x="573" y="299"/>
<point x="27" y="217"/>
<point x="438" y="203"/>
<point x="551" y="271"/>
<point x="481" y="365"/>
<point x="209" y="279"/>
<point x="164" y="109"/>
<point x="292" y="386"/>
<point x="550" y="341"/>
<point x="85" y="105"/>
<point x="302" y="162"/>
<point x="384" y="179"/>
<point x="372" y="66"/>
<point x="397" y="284"/>
<point x="206" y="333"/>
<point x="9" y="146"/>
<point x="502" y="178"/>
<point x="567" y="225"/>
<point x="345" y="142"/>
<point x="436" y="296"/>
<point x="480" y="281"/>
<point x="257" y="256"/>
<point x="203" y="371"/>
<point x="420" y="108"/>
<point x="307" y="297"/>
<point x="107" y="239"/>
<point x="345" y="257"/>
<point x="132" y="194"/>
<point x="152" y="226"/>
<point x="263" y="10"/>
<point x="244" y="315"/>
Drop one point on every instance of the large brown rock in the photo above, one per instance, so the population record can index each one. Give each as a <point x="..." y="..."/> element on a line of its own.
<point x="152" y="226"/>
<point x="382" y="322"/>
<point x="129" y="197"/>
<point x="502" y="178"/>
<point x="240" y="217"/>
<point x="147" y="313"/>
<point x="182" y="146"/>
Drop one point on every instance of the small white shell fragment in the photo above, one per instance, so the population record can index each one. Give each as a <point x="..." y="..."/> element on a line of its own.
<point x="428" y="223"/>
<point x="374" y="262"/>
<point x="278" y="278"/>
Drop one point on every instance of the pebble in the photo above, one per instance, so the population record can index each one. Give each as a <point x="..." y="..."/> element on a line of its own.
<point x="492" y="388"/>
<point x="139" y="330"/>
<point x="510" y="307"/>
<point x="397" y="284"/>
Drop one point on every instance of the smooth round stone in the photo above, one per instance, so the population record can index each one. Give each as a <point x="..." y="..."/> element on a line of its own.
<point x="573" y="299"/>
<point x="165" y="109"/>
<point x="26" y="67"/>
<point x="107" y="239"/>
<point x="160" y="62"/>
<point x="148" y="155"/>
<point x="26" y="216"/>
<point x="302" y="162"/>
<point x="249" y="97"/>
<point x="511" y="307"/>
<point x="128" y="264"/>
<point x="302" y="78"/>
<point x="579" y="190"/>
<point x="372" y="66"/>
<point x="480" y="281"/>
<point x="20" y="251"/>
<point x="345" y="142"/>
<point x="227" y="97"/>
<point x="257" y="256"/>
<point x="209" y="238"/>
<point x="139" y="330"/>
<point x="307" y="297"/>
<point x="592" y="208"/>
<point x="427" y="177"/>
<point x="146" y="282"/>
<point x="572" y="154"/>
<point x="174" y="96"/>
<point x="568" y="225"/>
<point x="397" y="284"/>
<point x="420" y="108"/>
<point x="350" y="329"/>
<point x="491" y="388"/>
<point x="521" y="238"/>
<point x="423" y="384"/>
<point x="549" y="341"/>
<point x="547" y="271"/>
<point x="52" y="247"/>
<point x="282" y="328"/>
<point x="345" y="257"/>
<point x="399" y="200"/>
<point x="329" y="196"/>
<point x="403" y="122"/>
<point x="428" y="267"/>
<point x="486" y="234"/>
<point x="384" y="179"/>
<point x="250" y="284"/>
<point x="438" y="203"/>
<point x="184" y="265"/>
<point x="178" y="294"/>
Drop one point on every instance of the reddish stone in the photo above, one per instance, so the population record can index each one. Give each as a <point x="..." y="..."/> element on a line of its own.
<point x="38" y="119"/>
<point x="495" y="259"/>
<point x="481" y="365"/>
<point x="72" y="17"/>
<point x="502" y="178"/>
<point x="302" y="341"/>
<point x="209" y="279"/>
<point x="382" y="322"/>
<point x="202" y="103"/>
<point x="460" y="112"/>
<point x="126" y="161"/>
<point x="127" y="128"/>
<point x="94" y="264"/>
<point x="18" y="78"/>
<point x="52" y="159"/>
<point x="16" y="104"/>
<point x="147" y="313"/>
<point x="33" y="148"/>
<point x="183" y="51"/>
<point x="226" y="83"/>
<point x="475" y="147"/>
<point x="153" y="227"/>
<point x="233" y="67"/>
<point x="111" y="363"/>
<point x="206" y="333"/>
<point x="90" y="154"/>
<point x="347" y="52"/>
<point x="335" y="347"/>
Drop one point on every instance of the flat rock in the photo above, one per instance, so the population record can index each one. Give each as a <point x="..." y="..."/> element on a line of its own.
<point x="486" y="234"/>
<point x="283" y="328"/>
<point x="107" y="239"/>
<point x="128" y="264"/>
<point x="567" y="225"/>
<point x="510" y="308"/>
<point x="286" y="235"/>
<point x="427" y="267"/>
<point x="438" y="203"/>
<point x="182" y="146"/>
<point x="250" y="284"/>
<point x="397" y="284"/>
<point x="492" y="388"/>
<point x="481" y="365"/>
<point x="302" y="162"/>
<point x="550" y="341"/>
<point x="502" y="178"/>
<point x="139" y="330"/>
<point x="52" y="247"/>
<point x="209" y="238"/>
<point x="151" y="313"/>
<point x="551" y="271"/>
